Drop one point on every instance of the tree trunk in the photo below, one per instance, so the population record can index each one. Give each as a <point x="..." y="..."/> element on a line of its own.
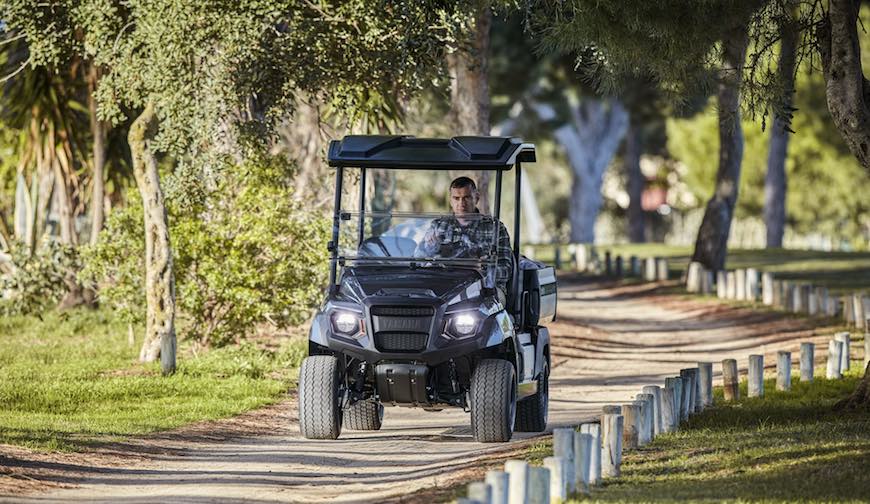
<point x="590" y="141"/>
<point x="775" y="182"/>
<point x="846" y="89"/>
<point x="636" y="182"/>
<point x="159" y="278"/>
<point x="98" y="129"/>
<point x="712" y="244"/>
<point x="469" y="93"/>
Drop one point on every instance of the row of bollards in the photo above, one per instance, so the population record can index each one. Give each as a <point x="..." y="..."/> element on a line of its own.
<point x="583" y="456"/>
<point x="750" y="284"/>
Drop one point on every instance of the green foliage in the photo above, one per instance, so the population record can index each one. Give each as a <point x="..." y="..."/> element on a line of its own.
<point x="36" y="280"/>
<point x="817" y="158"/>
<point x="245" y="253"/>
<point x="71" y="379"/>
<point x="115" y="264"/>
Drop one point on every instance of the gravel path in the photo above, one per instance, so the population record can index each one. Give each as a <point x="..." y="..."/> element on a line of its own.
<point x="608" y="343"/>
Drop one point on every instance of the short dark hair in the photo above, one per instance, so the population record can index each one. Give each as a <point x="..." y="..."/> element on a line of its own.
<point x="460" y="182"/>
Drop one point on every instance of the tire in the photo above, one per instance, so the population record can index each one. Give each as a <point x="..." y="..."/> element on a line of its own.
<point x="493" y="401"/>
<point x="532" y="410"/>
<point x="320" y="397"/>
<point x="364" y="415"/>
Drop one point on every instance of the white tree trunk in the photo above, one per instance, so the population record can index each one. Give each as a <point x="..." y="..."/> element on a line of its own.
<point x="590" y="141"/>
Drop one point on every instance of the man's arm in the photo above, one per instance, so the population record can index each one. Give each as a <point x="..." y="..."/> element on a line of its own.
<point x="429" y="244"/>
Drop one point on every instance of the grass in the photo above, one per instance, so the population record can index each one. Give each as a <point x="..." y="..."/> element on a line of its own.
<point x="785" y="447"/>
<point x="842" y="272"/>
<point x="71" y="379"/>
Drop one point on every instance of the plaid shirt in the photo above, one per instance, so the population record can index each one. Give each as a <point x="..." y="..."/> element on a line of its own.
<point x="447" y="238"/>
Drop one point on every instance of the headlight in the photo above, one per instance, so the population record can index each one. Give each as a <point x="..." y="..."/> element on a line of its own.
<point x="346" y="322"/>
<point x="464" y="324"/>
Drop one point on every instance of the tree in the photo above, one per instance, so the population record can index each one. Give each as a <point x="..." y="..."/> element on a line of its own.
<point x="209" y="81"/>
<point x="469" y="91"/>
<point x="775" y="182"/>
<point x="848" y="91"/>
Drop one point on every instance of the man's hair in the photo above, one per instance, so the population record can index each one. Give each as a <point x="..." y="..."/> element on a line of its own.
<point x="461" y="182"/>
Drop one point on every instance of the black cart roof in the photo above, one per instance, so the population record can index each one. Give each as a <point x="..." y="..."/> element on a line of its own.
<point x="462" y="152"/>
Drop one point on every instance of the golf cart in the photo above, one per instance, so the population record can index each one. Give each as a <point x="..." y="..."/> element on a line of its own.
<point x="405" y="326"/>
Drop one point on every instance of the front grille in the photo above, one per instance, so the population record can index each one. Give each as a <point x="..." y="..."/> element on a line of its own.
<point x="403" y="311"/>
<point x="401" y="341"/>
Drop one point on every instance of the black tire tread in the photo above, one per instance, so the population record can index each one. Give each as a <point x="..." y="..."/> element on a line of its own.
<point x="491" y="386"/>
<point x="532" y="412"/>
<point x="319" y="408"/>
<point x="364" y="415"/>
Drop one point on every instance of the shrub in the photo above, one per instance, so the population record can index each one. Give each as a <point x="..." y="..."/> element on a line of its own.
<point x="246" y="253"/>
<point x="36" y="281"/>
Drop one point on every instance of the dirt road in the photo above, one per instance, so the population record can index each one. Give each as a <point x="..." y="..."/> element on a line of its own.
<point x="609" y="342"/>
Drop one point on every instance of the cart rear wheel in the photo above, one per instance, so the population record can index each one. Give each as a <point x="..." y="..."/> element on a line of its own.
<point x="532" y="411"/>
<point x="364" y="415"/>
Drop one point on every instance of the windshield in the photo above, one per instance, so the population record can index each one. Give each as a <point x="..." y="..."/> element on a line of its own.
<point x="421" y="238"/>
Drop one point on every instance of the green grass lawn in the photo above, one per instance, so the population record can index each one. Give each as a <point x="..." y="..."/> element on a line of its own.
<point x="842" y="272"/>
<point x="784" y="447"/>
<point x="72" y="378"/>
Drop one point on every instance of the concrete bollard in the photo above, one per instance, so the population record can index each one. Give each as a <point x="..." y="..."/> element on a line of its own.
<point x="557" y="257"/>
<point x="822" y="299"/>
<point x="662" y="270"/>
<point x="705" y="384"/>
<point x="582" y="257"/>
<point x="693" y="277"/>
<point x="807" y="362"/>
<point x="563" y="446"/>
<point x="608" y="264"/>
<point x="866" y="349"/>
<point x="751" y="284"/>
<point x="675" y="383"/>
<point x="706" y="282"/>
<point x="631" y="426"/>
<point x="594" y="430"/>
<point x="787" y="295"/>
<point x="835" y="356"/>
<point x="656" y="392"/>
<point x="777" y="295"/>
<point x="812" y="302"/>
<point x="721" y="285"/>
<point x="647" y="410"/>
<point x="611" y="456"/>
<point x="498" y="485"/>
<point x="858" y="311"/>
<point x="756" y="376"/>
<point x="649" y="270"/>
<point x="669" y="423"/>
<point x="634" y="264"/>
<point x="731" y="285"/>
<point x="480" y="491"/>
<point x="619" y="268"/>
<point x="730" y="380"/>
<point x="685" y="397"/>
<point x="558" y="478"/>
<point x="518" y="481"/>
<point x="783" y="370"/>
<point x="833" y="307"/>
<point x="582" y="461"/>
<point x="692" y="374"/>
<point x="539" y="485"/>
<point x="797" y="298"/>
<point x="846" y="353"/>
<point x="767" y="288"/>
<point x="740" y="284"/>
<point x="848" y="310"/>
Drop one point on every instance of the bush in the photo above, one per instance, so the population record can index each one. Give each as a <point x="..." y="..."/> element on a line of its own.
<point x="246" y="253"/>
<point x="37" y="280"/>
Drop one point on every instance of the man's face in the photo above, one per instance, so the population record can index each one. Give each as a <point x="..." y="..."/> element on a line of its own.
<point x="463" y="200"/>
